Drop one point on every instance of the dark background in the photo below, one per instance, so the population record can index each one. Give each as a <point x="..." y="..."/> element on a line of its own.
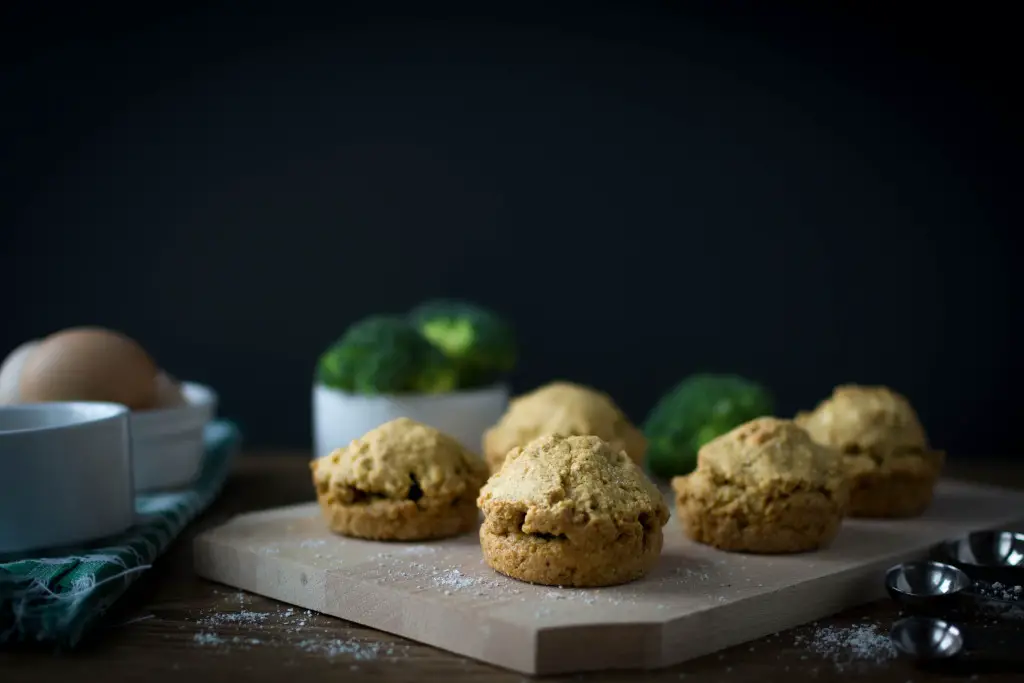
<point x="806" y="197"/>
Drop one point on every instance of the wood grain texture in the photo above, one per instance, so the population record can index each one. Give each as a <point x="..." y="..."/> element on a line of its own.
<point x="151" y="635"/>
<point x="697" y="601"/>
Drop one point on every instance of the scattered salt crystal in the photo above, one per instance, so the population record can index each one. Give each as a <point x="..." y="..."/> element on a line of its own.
<point x="243" y="617"/>
<point x="999" y="591"/>
<point x="861" y="643"/>
<point x="207" y="639"/>
<point x="419" y="550"/>
<point x="454" y="579"/>
<point x="312" y="543"/>
<point x="333" y="648"/>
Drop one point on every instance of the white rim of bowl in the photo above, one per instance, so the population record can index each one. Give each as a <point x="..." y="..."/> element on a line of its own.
<point x="489" y="389"/>
<point x="111" y="411"/>
<point x="207" y="397"/>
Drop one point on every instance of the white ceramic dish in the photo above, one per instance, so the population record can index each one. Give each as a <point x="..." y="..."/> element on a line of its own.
<point x="65" y="474"/>
<point x="339" y="417"/>
<point x="167" y="443"/>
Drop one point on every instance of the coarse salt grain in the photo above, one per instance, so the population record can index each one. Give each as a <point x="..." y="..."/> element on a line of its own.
<point x="419" y="550"/>
<point x="244" y="617"/>
<point x="1000" y="591"/>
<point x="453" y="579"/>
<point x="335" y="647"/>
<point x="208" y="639"/>
<point x="846" y="645"/>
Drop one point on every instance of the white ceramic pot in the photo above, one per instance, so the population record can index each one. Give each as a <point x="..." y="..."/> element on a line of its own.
<point x="339" y="417"/>
<point x="167" y="443"/>
<point x="65" y="474"/>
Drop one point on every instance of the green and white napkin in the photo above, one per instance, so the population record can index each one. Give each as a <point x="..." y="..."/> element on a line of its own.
<point x="58" y="597"/>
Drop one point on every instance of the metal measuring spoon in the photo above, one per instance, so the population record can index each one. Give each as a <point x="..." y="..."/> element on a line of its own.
<point x="931" y="640"/>
<point x="988" y="555"/>
<point x="927" y="585"/>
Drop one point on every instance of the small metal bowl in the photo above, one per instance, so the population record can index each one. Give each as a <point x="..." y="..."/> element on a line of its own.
<point x="927" y="586"/>
<point x="927" y="639"/>
<point x="988" y="555"/>
<point x="947" y="645"/>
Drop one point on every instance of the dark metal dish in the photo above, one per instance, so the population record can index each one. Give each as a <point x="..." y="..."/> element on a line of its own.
<point x="927" y="586"/>
<point x="993" y="556"/>
<point x="930" y="640"/>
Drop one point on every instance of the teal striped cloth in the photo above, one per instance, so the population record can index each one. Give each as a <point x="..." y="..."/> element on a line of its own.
<point x="58" y="597"/>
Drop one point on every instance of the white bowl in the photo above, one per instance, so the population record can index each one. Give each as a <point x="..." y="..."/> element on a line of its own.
<point x="65" y="474"/>
<point x="339" y="417"/>
<point x="167" y="443"/>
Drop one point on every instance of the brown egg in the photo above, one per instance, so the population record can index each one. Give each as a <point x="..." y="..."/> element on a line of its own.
<point x="90" y="364"/>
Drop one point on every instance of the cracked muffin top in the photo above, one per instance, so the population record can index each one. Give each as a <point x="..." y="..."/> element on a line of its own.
<point x="865" y="419"/>
<point x="770" y="452"/>
<point x="564" y="409"/>
<point x="568" y="485"/>
<point x="400" y="460"/>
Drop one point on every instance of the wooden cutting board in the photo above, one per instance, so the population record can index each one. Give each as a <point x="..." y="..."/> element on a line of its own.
<point x="698" y="600"/>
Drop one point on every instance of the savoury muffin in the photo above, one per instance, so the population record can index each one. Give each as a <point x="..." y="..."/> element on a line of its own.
<point x="571" y="511"/>
<point x="564" y="409"/>
<point x="890" y="466"/>
<point x="764" y="487"/>
<point x="402" y="481"/>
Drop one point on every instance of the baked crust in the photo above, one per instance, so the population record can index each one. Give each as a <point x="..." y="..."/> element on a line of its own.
<point x="564" y="409"/>
<point x="764" y="487"/>
<point x="571" y="511"/>
<point x="890" y="465"/>
<point x="401" y="481"/>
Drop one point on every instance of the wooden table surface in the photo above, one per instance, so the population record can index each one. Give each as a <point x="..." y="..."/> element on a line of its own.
<point x="173" y="626"/>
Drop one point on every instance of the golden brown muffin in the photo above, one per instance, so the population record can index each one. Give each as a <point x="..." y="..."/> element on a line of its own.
<point x="764" y="487"/>
<point x="571" y="511"/>
<point x="564" y="409"/>
<point x="402" y="481"/>
<point x="891" y="468"/>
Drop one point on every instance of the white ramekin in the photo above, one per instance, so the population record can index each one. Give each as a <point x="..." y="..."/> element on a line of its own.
<point x="339" y="417"/>
<point x="65" y="474"/>
<point x="167" y="443"/>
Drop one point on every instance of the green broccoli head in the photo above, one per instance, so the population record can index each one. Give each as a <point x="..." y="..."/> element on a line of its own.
<point x="480" y="343"/>
<point x="697" y="410"/>
<point x="385" y="355"/>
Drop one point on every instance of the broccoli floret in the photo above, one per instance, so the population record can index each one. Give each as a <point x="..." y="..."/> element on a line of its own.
<point x="480" y="343"/>
<point x="697" y="410"/>
<point x="385" y="355"/>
